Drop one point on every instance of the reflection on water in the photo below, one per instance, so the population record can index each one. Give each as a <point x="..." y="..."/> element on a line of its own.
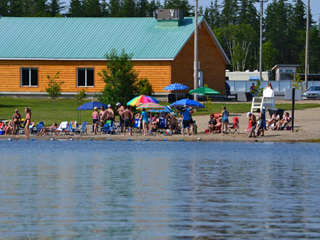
<point x="159" y="190"/>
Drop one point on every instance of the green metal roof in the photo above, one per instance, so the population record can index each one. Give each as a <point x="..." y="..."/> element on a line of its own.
<point x="90" y="38"/>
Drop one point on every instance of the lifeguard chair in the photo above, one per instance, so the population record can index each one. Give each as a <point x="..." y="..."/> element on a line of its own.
<point x="266" y="102"/>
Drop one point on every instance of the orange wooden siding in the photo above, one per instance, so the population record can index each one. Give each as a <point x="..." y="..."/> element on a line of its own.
<point x="157" y="72"/>
<point x="211" y="63"/>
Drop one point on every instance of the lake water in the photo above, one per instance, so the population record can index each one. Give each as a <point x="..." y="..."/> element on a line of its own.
<point x="159" y="190"/>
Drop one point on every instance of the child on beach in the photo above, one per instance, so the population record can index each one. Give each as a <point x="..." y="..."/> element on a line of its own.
<point x="224" y="120"/>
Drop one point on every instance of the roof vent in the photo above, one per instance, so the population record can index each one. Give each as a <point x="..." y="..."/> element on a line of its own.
<point x="167" y="18"/>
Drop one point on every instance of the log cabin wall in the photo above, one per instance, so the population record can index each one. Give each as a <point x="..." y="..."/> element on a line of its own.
<point x="211" y="63"/>
<point x="157" y="72"/>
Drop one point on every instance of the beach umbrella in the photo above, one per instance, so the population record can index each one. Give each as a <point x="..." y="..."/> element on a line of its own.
<point x="141" y="100"/>
<point x="165" y="110"/>
<point x="204" y="91"/>
<point x="155" y="106"/>
<point x="187" y="102"/>
<point x="176" y="87"/>
<point x="91" y="105"/>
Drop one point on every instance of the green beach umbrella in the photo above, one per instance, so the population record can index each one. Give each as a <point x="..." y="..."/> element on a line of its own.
<point x="204" y="91"/>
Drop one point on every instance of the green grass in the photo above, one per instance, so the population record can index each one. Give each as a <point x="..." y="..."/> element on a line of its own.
<point x="65" y="109"/>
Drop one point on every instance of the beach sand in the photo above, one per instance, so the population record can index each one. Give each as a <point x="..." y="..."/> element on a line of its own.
<point x="306" y="128"/>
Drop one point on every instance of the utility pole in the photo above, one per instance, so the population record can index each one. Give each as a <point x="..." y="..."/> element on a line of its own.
<point x="261" y="22"/>
<point x="307" y="49"/>
<point x="196" y="49"/>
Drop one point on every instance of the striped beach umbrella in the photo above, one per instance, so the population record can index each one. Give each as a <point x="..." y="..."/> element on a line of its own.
<point x="141" y="100"/>
<point x="155" y="106"/>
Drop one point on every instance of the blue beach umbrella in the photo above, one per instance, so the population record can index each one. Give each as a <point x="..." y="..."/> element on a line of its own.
<point x="176" y="87"/>
<point x="187" y="102"/>
<point x="91" y="105"/>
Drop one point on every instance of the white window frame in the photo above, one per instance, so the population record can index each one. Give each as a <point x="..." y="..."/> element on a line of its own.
<point x="85" y="77"/>
<point x="29" y="68"/>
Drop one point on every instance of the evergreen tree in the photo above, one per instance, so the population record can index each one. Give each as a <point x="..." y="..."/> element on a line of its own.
<point x="142" y="7"/>
<point x="212" y="15"/>
<point x="152" y="6"/>
<point x="128" y="8"/>
<point x="229" y="12"/>
<point x="248" y="14"/>
<point x="39" y="8"/>
<point x="75" y="8"/>
<point x="201" y="11"/>
<point x="114" y="8"/>
<point x="16" y="8"/>
<point x="179" y="4"/>
<point x="104" y="8"/>
<point x="277" y="29"/>
<point x="91" y="8"/>
<point x="4" y="9"/>
<point x="55" y="7"/>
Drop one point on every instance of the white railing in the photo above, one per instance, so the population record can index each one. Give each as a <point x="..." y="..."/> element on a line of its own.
<point x="278" y="86"/>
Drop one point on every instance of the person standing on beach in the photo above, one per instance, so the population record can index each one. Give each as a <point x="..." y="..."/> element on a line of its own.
<point x="110" y="113"/>
<point x="185" y="114"/>
<point x="127" y="115"/>
<point x="27" y="121"/>
<point x="145" y="121"/>
<point x="224" y="120"/>
<point x="95" y="119"/>
<point x="16" y="122"/>
<point x="103" y="115"/>
<point x="261" y="123"/>
<point x="120" y="110"/>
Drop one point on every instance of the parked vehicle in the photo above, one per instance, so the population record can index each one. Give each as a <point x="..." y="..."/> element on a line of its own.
<point x="312" y="93"/>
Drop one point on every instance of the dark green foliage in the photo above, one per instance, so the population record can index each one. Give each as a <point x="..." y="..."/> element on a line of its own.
<point x="128" y="8"/>
<point x="142" y="7"/>
<point x="75" y="9"/>
<point x="144" y="87"/>
<point x="4" y="8"/>
<point x="55" y="7"/>
<point x="119" y="78"/>
<point x="91" y="8"/>
<point x="114" y="8"/>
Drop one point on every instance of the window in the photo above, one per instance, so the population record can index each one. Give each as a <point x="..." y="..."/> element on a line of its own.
<point x="29" y="77"/>
<point x="85" y="77"/>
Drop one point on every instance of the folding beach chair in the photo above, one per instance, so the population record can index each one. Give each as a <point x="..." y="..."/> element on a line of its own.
<point x="39" y="127"/>
<point x="63" y="127"/>
<point x="109" y="127"/>
<point x="162" y="125"/>
<point x="234" y="126"/>
<point x="82" y="129"/>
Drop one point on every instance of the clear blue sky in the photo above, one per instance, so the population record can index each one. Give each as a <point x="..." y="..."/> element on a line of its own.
<point x="314" y="5"/>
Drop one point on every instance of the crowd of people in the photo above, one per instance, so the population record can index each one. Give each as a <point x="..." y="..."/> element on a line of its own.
<point x="179" y="122"/>
<point x="17" y="122"/>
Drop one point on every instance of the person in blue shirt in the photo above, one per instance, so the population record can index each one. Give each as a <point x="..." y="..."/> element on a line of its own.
<point x="145" y="121"/>
<point x="185" y="114"/>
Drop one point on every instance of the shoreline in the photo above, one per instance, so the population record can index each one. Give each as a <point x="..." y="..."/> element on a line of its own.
<point x="306" y="129"/>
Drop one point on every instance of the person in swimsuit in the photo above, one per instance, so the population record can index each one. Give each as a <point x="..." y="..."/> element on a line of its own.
<point x="120" y="110"/>
<point x="16" y="122"/>
<point x="224" y="120"/>
<point x="44" y="130"/>
<point x="127" y="115"/>
<point x="260" y="130"/>
<point x="284" y="120"/>
<point x="95" y="119"/>
<point x="8" y="129"/>
<point x="145" y="121"/>
<point x="273" y="120"/>
<point x="252" y="125"/>
<point x="103" y="116"/>
<point x="110" y="115"/>
<point x="27" y="121"/>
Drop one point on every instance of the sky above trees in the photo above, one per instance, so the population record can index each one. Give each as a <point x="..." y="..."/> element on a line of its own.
<point x="314" y="5"/>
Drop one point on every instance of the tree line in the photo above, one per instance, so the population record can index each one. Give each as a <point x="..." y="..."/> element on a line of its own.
<point x="236" y="24"/>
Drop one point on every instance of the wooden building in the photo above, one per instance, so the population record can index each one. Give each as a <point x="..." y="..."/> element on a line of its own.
<point x="163" y="51"/>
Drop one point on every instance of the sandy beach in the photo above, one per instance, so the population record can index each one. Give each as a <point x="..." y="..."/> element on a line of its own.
<point x="306" y="128"/>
